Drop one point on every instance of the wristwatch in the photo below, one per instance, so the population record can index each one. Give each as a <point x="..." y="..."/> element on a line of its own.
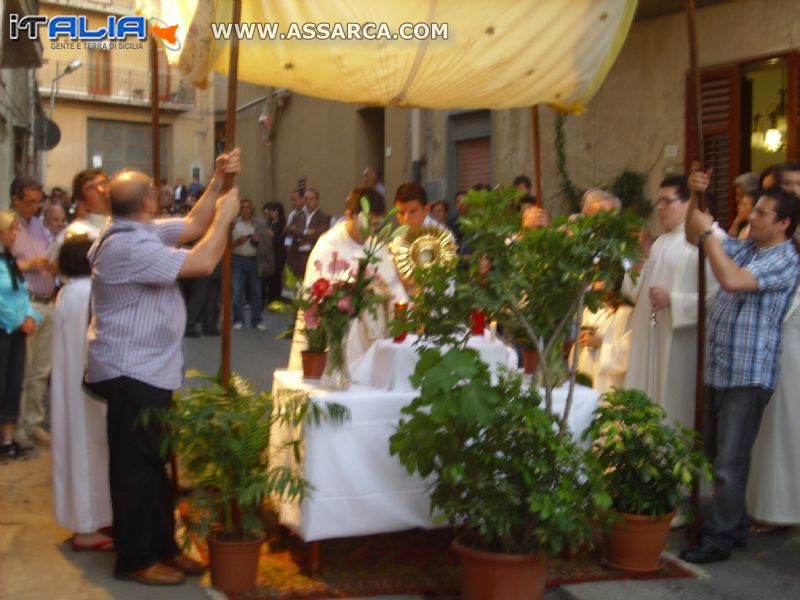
<point x="703" y="237"/>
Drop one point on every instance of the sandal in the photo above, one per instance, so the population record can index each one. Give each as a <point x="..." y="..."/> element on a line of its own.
<point x="765" y="528"/>
<point x="101" y="546"/>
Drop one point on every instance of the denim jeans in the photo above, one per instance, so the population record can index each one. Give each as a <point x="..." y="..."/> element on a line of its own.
<point x="730" y="425"/>
<point x="245" y="272"/>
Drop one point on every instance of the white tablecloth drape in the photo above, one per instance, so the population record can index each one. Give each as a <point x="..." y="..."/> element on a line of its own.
<point x="388" y="365"/>
<point x="358" y="487"/>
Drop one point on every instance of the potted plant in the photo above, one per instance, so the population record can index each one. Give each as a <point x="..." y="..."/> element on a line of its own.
<point x="222" y="433"/>
<point x="517" y="489"/>
<point x="648" y="465"/>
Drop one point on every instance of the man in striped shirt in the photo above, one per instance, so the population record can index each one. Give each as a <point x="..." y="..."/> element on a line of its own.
<point x="758" y="277"/>
<point x="135" y="356"/>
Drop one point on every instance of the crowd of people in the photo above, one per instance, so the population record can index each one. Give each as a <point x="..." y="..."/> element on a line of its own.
<point x="79" y="269"/>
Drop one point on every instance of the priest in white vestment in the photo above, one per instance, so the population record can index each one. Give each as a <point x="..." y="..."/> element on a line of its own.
<point x="773" y="490"/>
<point x="663" y="360"/>
<point x="345" y="240"/>
<point x="605" y="342"/>
<point x="81" y="495"/>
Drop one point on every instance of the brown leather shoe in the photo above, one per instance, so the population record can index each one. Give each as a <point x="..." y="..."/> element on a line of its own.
<point x="157" y="574"/>
<point x="186" y="565"/>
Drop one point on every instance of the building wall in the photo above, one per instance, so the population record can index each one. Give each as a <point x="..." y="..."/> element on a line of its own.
<point x="192" y="134"/>
<point x="639" y="110"/>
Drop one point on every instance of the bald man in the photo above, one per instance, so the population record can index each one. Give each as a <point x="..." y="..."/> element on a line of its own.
<point x="135" y="358"/>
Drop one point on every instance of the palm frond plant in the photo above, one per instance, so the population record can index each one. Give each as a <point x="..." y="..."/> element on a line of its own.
<point x="222" y="434"/>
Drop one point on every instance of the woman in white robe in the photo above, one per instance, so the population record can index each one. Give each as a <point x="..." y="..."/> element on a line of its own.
<point x="81" y="495"/>
<point x="773" y="489"/>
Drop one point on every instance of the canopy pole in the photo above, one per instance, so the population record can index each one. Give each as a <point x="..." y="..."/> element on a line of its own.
<point x="537" y="153"/>
<point x="230" y="143"/>
<point x="154" y="115"/>
<point x="697" y="116"/>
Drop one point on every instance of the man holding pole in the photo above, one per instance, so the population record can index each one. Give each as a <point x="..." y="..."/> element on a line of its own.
<point x="757" y="277"/>
<point x="135" y="359"/>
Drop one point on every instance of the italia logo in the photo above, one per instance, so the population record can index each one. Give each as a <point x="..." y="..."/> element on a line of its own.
<point x="166" y="33"/>
<point x="76" y="28"/>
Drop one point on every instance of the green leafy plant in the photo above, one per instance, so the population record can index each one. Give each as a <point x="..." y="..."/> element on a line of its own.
<point x="647" y="461"/>
<point x="222" y="434"/>
<point x="537" y="284"/>
<point x="502" y="471"/>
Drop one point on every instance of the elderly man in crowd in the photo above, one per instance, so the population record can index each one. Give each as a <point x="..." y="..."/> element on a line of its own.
<point x="55" y="219"/>
<point x="30" y="250"/>
<point x="135" y="360"/>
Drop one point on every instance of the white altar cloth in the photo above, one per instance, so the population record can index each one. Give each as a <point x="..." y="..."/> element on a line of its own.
<point x="358" y="487"/>
<point x="387" y="365"/>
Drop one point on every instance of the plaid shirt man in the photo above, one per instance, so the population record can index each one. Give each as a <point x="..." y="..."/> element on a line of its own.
<point x="744" y="328"/>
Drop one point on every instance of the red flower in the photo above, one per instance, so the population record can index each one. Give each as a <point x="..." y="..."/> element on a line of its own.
<point x="320" y="287"/>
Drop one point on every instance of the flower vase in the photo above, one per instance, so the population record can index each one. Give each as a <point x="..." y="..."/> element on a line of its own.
<point x="337" y="371"/>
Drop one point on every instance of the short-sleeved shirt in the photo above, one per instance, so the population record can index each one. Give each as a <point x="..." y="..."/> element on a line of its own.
<point x="32" y="241"/>
<point x="745" y="327"/>
<point x="139" y="315"/>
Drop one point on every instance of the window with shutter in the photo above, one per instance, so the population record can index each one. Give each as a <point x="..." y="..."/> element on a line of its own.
<point x="793" y="107"/>
<point x="473" y="162"/>
<point x="720" y="99"/>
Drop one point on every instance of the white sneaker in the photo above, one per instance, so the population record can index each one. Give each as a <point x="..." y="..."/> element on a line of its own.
<point x="237" y="326"/>
<point x="261" y="327"/>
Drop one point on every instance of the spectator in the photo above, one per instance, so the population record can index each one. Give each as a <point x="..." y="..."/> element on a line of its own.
<point x="746" y="193"/>
<point x="440" y="211"/>
<point x="305" y="229"/>
<point x="30" y="251"/>
<point x="276" y="222"/>
<point x="55" y="219"/>
<point x="17" y="321"/>
<point x="249" y="234"/>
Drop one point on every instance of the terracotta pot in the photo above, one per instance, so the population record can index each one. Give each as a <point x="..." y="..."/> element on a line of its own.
<point x="493" y="575"/>
<point x="234" y="564"/>
<point x="635" y="542"/>
<point x="530" y="359"/>
<point x="313" y="363"/>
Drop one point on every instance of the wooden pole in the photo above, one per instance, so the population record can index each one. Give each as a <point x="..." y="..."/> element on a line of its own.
<point x="230" y="142"/>
<point x="154" y="115"/>
<point x="697" y="116"/>
<point x="537" y="153"/>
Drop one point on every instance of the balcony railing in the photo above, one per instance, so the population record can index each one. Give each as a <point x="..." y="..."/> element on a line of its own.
<point x="115" y="85"/>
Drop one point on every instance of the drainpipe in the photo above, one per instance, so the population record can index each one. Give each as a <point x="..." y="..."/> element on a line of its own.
<point x="416" y="145"/>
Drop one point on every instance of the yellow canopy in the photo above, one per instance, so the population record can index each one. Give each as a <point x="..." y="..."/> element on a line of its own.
<point x="498" y="53"/>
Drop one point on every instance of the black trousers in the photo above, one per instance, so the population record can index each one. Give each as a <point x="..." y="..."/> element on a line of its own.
<point x="12" y="371"/>
<point x="141" y="496"/>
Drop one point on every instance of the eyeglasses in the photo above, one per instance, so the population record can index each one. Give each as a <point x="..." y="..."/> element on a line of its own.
<point x="763" y="212"/>
<point x="665" y="200"/>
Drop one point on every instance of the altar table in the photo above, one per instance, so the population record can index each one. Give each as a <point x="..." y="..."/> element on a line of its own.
<point x="358" y="487"/>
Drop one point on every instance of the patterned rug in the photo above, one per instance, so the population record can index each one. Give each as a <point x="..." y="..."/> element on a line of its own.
<point x="412" y="562"/>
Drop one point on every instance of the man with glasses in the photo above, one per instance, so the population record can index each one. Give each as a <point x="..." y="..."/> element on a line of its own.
<point x="758" y="277"/>
<point x="91" y="191"/>
<point x="664" y="322"/>
<point x="30" y="250"/>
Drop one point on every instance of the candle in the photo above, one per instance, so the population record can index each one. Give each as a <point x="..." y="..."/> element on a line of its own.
<point x="401" y="314"/>
<point x="478" y="320"/>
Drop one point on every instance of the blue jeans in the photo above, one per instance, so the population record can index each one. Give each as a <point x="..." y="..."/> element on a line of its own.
<point x="730" y="425"/>
<point x="245" y="272"/>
